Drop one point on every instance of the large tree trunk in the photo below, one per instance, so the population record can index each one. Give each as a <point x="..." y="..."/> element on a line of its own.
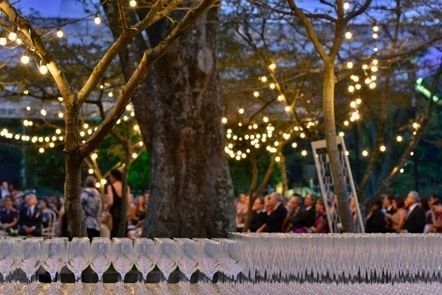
<point x="73" y="161"/>
<point x="336" y="169"/>
<point x="190" y="189"/>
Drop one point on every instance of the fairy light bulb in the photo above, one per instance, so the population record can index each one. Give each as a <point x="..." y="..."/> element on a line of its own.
<point x="375" y="35"/>
<point x="272" y="66"/>
<point x="263" y="79"/>
<point x="133" y="3"/>
<point x="399" y="138"/>
<point x="241" y="111"/>
<point x="43" y="69"/>
<point x="304" y="153"/>
<point x="375" y="29"/>
<point x="224" y="120"/>
<point x="265" y="119"/>
<point x="12" y="36"/>
<point x="41" y="150"/>
<point x="382" y="148"/>
<point x="97" y="19"/>
<point x="364" y="153"/>
<point x="294" y="145"/>
<point x="24" y="59"/>
<point x="272" y="85"/>
<point x="256" y="94"/>
<point x="134" y="155"/>
<point x="349" y="65"/>
<point x="43" y="112"/>
<point x="59" y="34"/>
<point x="3" y="41"/>
<point x="346" y="5"/>
<point x="348" y="35"/>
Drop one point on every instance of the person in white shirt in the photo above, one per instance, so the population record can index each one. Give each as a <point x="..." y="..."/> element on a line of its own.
<point x="415" y="222"/>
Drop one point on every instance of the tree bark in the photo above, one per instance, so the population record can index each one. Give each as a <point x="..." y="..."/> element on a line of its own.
<point x="336" y="169"/>
<point x="283" y="172"/>
<point x="191" y="192"/>
<point x="73" y="161"/>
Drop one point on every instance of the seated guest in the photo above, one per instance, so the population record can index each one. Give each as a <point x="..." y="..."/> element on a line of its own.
<point x="321" y="224"/>
<point x="376" y="222"/>
<point x="294" y="212"/>
<point x="242" y="207"/>
<point x="308" y="217"/>
<point x="437" y="220"/>
<point x="258" y="217"/>
<point x="45" y="211"/>
<point x="30" y="218"/>
<point x="415" y="222"/>
<point x="91" y="205"/>
<point x="8" y="216"/>
<point x="276" y="213"/>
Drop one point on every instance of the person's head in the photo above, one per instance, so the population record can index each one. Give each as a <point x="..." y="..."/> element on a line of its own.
<point x="377" y="205"/>
<point x="294" y="203"/>
<point x="243" y="198"/>
<point x="309" y="200"/>
<point x="398" y="203"/>
<point x="116" y="175"/>
<point x="31" y="200"/>
<point x="411" y="199"/>
<point x="140" y="201"/>
<point x="90" y="181"/>
<point x="425" y="204"/>
<point x="387" y="201"/>
<point x="320" y="207"/>
<point x="258" y="205"/>
<point x="43" y="204"/>
<point x="434" y="199"/>
<point x="9" y="203"/>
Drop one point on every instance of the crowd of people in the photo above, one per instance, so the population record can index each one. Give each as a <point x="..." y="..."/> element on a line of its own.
<point x="22" y="213"/>
<point x="297" y="214"/>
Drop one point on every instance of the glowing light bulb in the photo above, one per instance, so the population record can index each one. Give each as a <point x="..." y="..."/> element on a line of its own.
<point x="294" y="145"/>
<point x="346" y="123"/>
<point x="24" y="59"/>
<point x="43" y="69"/>
<point x="280" y="97"/>
<point x="59" y="34"/>
<point x="401" y="170"/>
<point x="348" y="35"/>
<point x="256" y="94"/>
<point x="382" y="148"/>
<point x="375" y="36"/>
<point x="272" y="85"/>
<point x="12" y="36"/>
<point x="341" y="134"/>
<point x="304" y="153"/>
<point x="263" y="79"/>
<point x="3" y="41"/>
<point x="241" y="111"/>
<point x="349" y="65"/>
<point x="224" y="120"/>
<point x="265" y="119"/>
<point x="351" y="88"/>
<point x="399" y="138"/>
<point x="346" y="5"/>
<point x="43" y="112"/>
<point x="375" y="29"/>
<point x="97" y="20"/>
<point x="133" y="3"/>
<point x="60" y="115"/>
<point x="41" y="150"/>
<point x="272" y="66"/>
<point x="277" y="158"/>
<point x="287" y="108"/>
<point x="372" y="85"/>
<point x="134" y="155"/>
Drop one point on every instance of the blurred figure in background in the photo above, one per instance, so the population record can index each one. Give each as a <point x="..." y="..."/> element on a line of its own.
<point x="276" y="214"/>
<point x="258" y="216"/>
<point x="8" y="216"/>
<point x="242" y="207"/>
<point x="295" y="211"/>
<point x="415" y="222"/>
<point x="376" y="222"/>
<point x="91" y="205"/>
<point x="30" y="218"/>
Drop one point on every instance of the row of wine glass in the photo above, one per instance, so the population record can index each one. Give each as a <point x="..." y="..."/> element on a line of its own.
<point x="341" y="257"/>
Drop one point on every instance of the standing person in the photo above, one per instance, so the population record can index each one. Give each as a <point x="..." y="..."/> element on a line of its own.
<point x="30" y="218"/>
<point x="376" y="221"/>
<point x="4" y="190"/>
<point x="91" y="205"/>
<point x="415" y="222"/>
<point x="115" y="200"/>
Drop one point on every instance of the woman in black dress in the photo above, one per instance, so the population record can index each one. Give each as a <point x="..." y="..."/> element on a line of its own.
<point x="115" y="200"/>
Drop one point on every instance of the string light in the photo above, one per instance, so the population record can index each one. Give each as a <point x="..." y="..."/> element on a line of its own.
<point x="364" y="153"/>
<point x="43" y="69"/>
<point x="12" y="36"/>
<point x="349" y="65"/>
<point x="272" y="66"/>
<point x="241" y="111"/>
<point x="24" y="59"/>
<point x="399" y="138"/>
<point x="224" y="120"/>
<point x="3" y="41"/>
<point x="346" y="5"/>
<point x="132" y="3"/>
<point x="304" y="153"/>
<point x="348" y="35"/>
<point x="382" y="148"/>
<point x="97" y="19"/>
<point x="256" y="94"/>
<point x="59" y="33"/>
